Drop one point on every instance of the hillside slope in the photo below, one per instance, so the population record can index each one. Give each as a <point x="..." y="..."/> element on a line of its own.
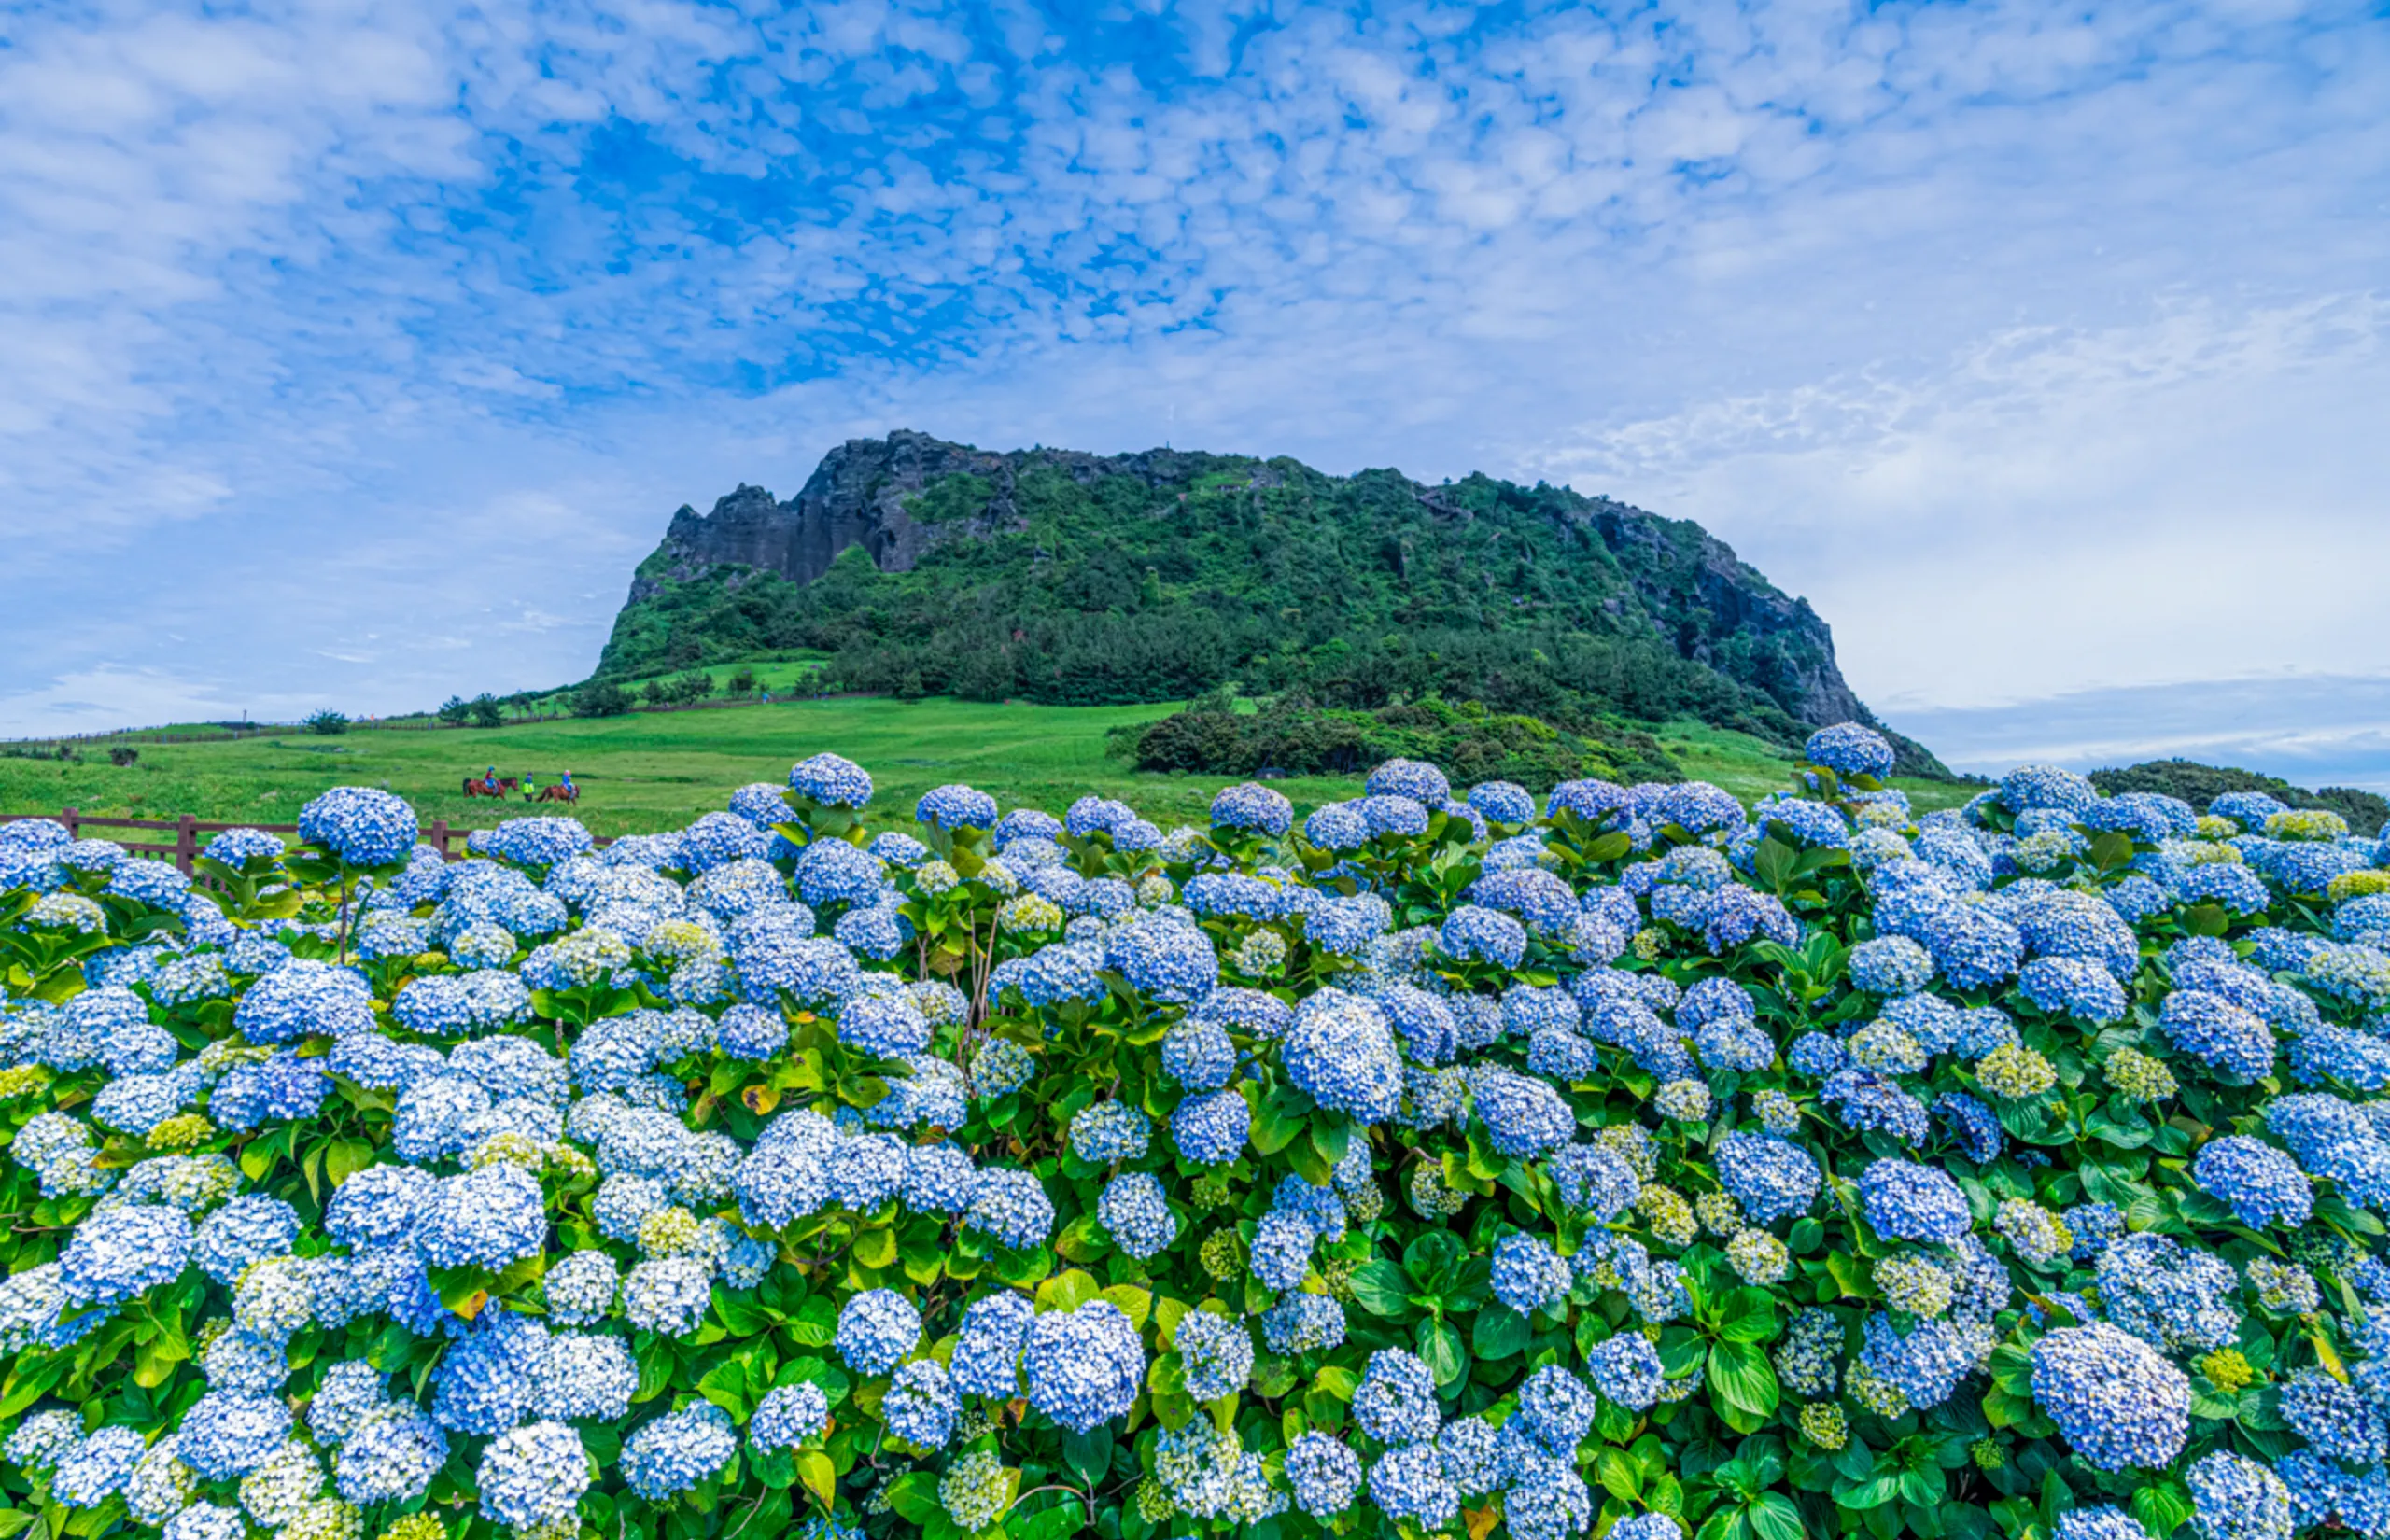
<point x="1074" y="579"/>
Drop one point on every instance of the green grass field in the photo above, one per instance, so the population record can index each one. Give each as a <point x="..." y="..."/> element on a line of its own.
<point x="658" y="770"/>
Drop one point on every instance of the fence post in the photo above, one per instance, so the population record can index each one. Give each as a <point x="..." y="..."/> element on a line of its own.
<point x="186" y="843"/>
<point x="440" y="838"/>
<point x="74" y="821"/>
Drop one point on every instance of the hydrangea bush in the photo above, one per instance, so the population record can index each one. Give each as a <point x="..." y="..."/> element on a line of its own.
<point x="1629" y="1162"/>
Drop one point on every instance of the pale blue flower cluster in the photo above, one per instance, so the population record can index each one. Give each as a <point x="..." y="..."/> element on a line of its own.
<point x="666" y="1098"/>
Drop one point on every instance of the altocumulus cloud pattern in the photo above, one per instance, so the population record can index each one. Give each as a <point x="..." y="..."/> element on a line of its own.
<point x="312" y="300"/>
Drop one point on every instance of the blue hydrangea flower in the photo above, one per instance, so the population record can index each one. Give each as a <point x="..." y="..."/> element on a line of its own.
<point x="1503" y="801"/>
<point x="667" y="1295"/>
<point x="2166" y="1295"/>
<point x="788" y="1416"/>
<point x="1107" y="1132"/>
<point x="1421" y="782"/>
<point x="1890" y="965"/>
<point x="1133" y="1211"/>
<point x="1012" y="1207"/>
<point x="580" y="1288"/>
<point x="1340" y="1051"/>
<point x="533" y="1475"/>
<point x="2338" y="1419"/>
<point x="1849" y="749"/>
<point x="1528" y="1275"/>
<point x="229" y="1434"/>
<point x="887" y="1025"/>
<point x="832" y="781"/>
<point x="1325" y="1474"/>
<point x="1906" y="1201"/>
<point x="879" y="933"/>
<point x="939" y="1179"/>
<point x="1868" y="1102"/>
<point x="306" y="998"/>
<point x="117" y="1253"/>
<point x="2101" y="1523"/>
<point x="1597" y="1179"/>
<point x="677" y="1450"/>
<point x="2259" y="1182"/>
<point x="93" y="1469"/>
<point x="1597" y="802"/>
<point x="244" y="1231"/>
<point x="1552" y="1509"/>
<point x="541" y="842"/>
<point x="2046" y="786"/>
<point x="492" y="1218"/>
<point x="391" y="1456"/>
<point x="2235" y="1042"/>
<point x="1394" y="816"/>
<point x="1215" y="1353"/>
<point x="2233" y="1497"/>
<point x="1473" y="934"/>
<point x="1253" y="808"/>
<point x="877" y="1328"/>
<point x="1396" y="1403"/>
<point x="1797" y="822"/>
<point x="1977" y="1129"/>
<point x="1770" y="1178"/>
<point x="830" y="871"/>
<point x="1556" y="1407"/>
<point x="1164" y="958"/>
<point x="1345" y="926"/>
<point x="956" y="807"/>
<point x="359" y="825"/>
<point x="1304" y="1323"/>
<point x="987" y="1350"/>
<point x="2117" y="1403"/>
<point x="1626" y="1369"/>
<point x="1281" y="1250"/>
<point x="1926" y="1362"/>
<point x="584" y="1376"/>
<point x="919" y="1406"/>
<point x="1408" y="1482"/>
<point x="1083" y="1367"/>
<point x="1523" y="1116"/>
<point x="1199" y="1054"/>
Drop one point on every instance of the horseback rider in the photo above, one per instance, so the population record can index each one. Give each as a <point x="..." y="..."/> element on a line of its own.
<point x="572" y="792"/>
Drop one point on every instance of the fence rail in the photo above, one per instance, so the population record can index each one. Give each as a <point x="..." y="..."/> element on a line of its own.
<point x="439" y="833"/>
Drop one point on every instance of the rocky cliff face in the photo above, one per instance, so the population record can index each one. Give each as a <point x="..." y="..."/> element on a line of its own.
<point x="855" y="496"/>
<point x="905" y="495"/>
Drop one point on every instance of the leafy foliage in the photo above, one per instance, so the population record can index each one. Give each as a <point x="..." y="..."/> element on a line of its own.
<point x="2201" y="784"/>
<point x="1067" y="579"/>
<point x="1467" y="742"/>
<point x="1589" y="1147"/>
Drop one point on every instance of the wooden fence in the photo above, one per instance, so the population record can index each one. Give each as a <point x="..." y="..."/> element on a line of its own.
<point x="187" y="832"/>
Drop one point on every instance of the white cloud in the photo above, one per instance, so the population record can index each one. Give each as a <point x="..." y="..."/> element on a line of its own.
<point x="2036" y="345"/>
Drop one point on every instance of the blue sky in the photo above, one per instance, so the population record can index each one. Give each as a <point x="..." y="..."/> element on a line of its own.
<point x="353" y="355"/>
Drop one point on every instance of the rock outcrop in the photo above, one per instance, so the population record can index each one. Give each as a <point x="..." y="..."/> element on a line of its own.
<point x="901" y="498"/>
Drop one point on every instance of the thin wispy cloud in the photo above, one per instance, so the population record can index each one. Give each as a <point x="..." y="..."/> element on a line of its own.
<point x="2036" y="345"/>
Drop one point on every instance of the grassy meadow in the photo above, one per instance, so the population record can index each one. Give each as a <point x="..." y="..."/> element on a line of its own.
<point x="658" y="770"/>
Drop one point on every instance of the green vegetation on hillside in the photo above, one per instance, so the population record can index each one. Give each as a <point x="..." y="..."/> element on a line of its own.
<point x="651" y="771"/>
<point x="1467" y="742"/>
<point x="2199" y="784"/>
<point x="1096" y="583"/>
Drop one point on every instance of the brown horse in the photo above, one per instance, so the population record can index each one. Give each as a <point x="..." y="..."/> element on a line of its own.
<point x="479" y="787"/>
<point x="562" y="792"/>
